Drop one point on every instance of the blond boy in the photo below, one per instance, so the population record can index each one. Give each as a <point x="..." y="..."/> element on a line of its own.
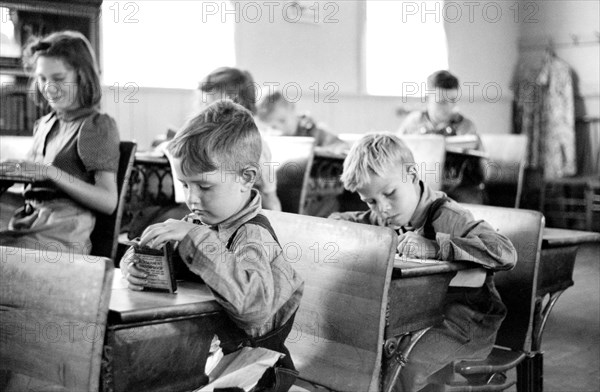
<point x="382" y="170"/>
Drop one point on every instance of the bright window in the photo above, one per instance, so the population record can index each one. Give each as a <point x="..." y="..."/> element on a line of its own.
<point x="405" y="43"/>
<point x="168" y="44"/>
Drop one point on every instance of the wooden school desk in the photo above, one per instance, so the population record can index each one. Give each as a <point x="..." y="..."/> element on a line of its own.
<point x="415" y="303"/>
<point x="324" y="185"/>
<point x="559" y="251"/>
<point x="158" y="341"/>
<point x="417" y="294"/>
<point x="151" y="180"/>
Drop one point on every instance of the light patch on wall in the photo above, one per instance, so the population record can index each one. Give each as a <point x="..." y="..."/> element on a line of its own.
<point x="405" y="43"/>
<point x="168" y="44"/>
<point x="302" y="11"/>
<point x="9" y="47"/>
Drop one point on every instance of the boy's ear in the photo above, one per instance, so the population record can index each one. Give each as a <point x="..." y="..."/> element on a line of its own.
<point x="412" y="171"/>
<point x="249" y="176"/>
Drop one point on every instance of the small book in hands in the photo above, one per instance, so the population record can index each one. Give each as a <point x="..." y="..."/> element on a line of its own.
<point x="158" y="264"/>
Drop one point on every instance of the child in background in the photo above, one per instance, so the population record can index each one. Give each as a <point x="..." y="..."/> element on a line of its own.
<point x="280" y="114"/>
<point x="225" y="239"/>
<point x="222" y="83"/>
<point x="239" y="86"/>
<point x="75" y="153"/>
<point x="442" y="117"/>
<point x="382" y="170"/>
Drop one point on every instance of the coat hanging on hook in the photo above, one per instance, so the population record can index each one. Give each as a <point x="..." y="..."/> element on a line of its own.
<point x="544" y="110"/>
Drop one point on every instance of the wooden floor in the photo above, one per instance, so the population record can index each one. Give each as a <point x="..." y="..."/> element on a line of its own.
<point x="571" y="342"/>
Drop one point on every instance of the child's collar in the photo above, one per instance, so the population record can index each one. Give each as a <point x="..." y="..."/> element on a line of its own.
<point x="419" y="215"/>
<point x="72" y="115"/>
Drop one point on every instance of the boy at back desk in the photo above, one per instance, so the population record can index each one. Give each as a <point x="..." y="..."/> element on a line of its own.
<point x="431" y="226"/>
<point x="464" y="172"/>
<point x="226" y="240"/>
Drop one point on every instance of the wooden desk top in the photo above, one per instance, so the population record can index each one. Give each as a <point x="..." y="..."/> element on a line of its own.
<point x="553" y="238"/>
<point x="14" y="177"/>
<point x="128" y="306"/>
<point x="468" y="152"/>
<point x="327" y="153"/>
<point x="151" y="157"/>
<point x="407" y="269"/>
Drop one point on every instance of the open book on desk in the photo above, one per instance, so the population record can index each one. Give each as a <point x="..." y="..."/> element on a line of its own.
<point x="470" y="277"/>
<point x="464" y="144"/>
<point x="469" y="142"/>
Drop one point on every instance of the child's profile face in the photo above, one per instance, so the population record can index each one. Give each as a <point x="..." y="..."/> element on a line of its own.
<point x="394" y="196"/>
<point x="215" y="196"/>
<point x="208" y="98"/>
<point x="57" y="82"/>
<point x="283" y="118"/>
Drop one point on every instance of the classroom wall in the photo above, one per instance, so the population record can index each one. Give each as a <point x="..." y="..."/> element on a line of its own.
<point x="482" y="50"/>
<point x="323" y="63"/>
<point x="145" y="113"/>
<point x="482" y="53"/>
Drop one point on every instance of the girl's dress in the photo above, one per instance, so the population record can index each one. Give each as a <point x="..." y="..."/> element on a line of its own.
<point x="80" y="143"/>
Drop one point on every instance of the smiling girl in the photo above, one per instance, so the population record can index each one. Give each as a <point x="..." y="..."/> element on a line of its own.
<point x="75" y="153"/>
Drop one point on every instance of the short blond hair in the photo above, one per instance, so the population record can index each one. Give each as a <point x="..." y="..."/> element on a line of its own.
<point x="375" y="154"/>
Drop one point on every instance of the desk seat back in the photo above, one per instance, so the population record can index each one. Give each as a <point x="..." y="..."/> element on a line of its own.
<point x="505" y="168"/>
<point x="106" y="231"/>
<point x="53" y="308"/>
<point x="517" y="287"/>
<point x="337" y="337"/>
<point x="429" y="152"/>
<point x="292" y="158"/>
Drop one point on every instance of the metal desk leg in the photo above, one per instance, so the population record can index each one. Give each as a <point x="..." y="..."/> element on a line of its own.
<point x="396" y="357"/>
<point x="530" y="374"/>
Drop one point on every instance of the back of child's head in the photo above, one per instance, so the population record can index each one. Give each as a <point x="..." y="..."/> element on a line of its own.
<point x="442" y="79"/>
<point x="375" y="154"/>
<point x="222" y="136"/>
<point x="76" y="52"/>
<point x="269" y="103"/>
<point x="232" y="83"/>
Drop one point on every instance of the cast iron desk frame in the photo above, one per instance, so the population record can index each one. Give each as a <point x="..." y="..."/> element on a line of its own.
<point x="557" y="261"/>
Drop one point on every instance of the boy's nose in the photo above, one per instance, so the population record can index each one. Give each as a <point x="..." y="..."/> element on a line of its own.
<point x="193" y="199"/>
<point x="384" y="207"/>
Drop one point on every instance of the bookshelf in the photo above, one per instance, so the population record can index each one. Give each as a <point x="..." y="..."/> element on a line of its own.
<point x="20" y="21"/>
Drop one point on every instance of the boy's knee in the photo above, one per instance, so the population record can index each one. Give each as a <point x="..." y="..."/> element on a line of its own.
<point x="413" y="377"/>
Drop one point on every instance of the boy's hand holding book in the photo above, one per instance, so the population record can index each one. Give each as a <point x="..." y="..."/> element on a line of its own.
<point x="157" y="235"/>
<point x="136" y="278"/>
<point x="148" y="268"/>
